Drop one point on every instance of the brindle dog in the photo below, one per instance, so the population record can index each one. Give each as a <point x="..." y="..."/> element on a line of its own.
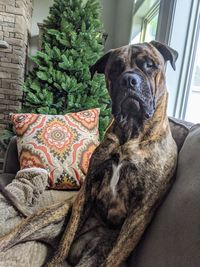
<point x="132" y="168"/>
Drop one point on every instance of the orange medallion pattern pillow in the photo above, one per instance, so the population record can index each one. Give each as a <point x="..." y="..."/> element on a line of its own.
<point x="62" y="144"/>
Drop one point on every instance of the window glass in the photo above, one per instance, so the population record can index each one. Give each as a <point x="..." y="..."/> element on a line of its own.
<point x="145" y="21"/>
<point x="150" y="29"/>
<point x="193" y="105"/>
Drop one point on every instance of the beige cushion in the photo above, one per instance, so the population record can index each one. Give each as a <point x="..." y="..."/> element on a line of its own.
<point x="54" y="196"/>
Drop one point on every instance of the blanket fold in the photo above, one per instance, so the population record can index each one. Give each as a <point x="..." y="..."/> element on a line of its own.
<point x="26" y="189"/>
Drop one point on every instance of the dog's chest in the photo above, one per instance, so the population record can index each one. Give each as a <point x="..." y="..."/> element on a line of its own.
<point x="118" y="188"/>
<point x="115" y="179"/>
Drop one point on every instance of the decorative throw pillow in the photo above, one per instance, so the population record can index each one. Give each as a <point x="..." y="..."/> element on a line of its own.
<point x="62" y="144"/>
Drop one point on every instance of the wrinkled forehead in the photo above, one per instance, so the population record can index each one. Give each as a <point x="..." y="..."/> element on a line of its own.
<point x="130" y="53"/>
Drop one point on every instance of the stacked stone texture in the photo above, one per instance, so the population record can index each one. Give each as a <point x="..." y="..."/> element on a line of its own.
<point x="15" y="22"/>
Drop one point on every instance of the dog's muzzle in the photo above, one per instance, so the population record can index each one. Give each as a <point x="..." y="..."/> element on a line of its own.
<point x="131" y="81"/>
<point x="138" y="97"/>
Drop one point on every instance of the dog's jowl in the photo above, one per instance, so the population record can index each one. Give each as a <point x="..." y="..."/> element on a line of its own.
<point x="132" y="168"/>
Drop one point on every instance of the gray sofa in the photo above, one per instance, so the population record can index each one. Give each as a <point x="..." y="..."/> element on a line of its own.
<point x="173" y="237"/>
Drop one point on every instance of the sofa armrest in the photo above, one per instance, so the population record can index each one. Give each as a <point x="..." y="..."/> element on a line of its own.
<point x="11" y="162"/>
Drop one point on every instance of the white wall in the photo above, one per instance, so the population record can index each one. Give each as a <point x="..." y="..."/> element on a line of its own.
<point x="40" y="12"/>
<point x="108" y="18"/>
<point x="117" y="18"/>
<point x="123" y="20"/>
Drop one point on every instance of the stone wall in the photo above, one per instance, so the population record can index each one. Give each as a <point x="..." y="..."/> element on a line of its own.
<point x="15" y="22"/>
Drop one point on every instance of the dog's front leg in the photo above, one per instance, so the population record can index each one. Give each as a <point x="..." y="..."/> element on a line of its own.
<point x="83" y="202"/>
<point x="79" y="213"/>
<point x="103" y="151"/>
<point x="129" y="236"/>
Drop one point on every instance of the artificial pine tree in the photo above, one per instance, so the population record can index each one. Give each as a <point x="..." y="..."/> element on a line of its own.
<point x="61" y="82"/>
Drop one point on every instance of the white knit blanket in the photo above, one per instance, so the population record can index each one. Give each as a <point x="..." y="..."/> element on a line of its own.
<point x="27" y="186"/>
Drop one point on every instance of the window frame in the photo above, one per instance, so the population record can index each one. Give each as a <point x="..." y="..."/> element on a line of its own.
<point x="166" y="20"/>
<point x="154" y="10"/>
<point x="141" y="16"/>
<point x="184" y="42"/>
<point x="190" y="68"/>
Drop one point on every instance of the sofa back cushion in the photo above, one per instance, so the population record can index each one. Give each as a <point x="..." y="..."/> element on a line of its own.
<point x="179" y="130"/>
<point x="11" y="161"/>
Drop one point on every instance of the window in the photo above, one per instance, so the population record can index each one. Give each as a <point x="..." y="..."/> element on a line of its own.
<point x="150" y="23"/>
<point x="145" y="21"/>
<point x="192" y="104"/>
<point x="183" y="83"/>
<point x="176" y="23"/>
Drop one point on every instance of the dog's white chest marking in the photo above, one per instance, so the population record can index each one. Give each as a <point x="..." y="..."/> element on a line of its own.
<point x="115" y="178"/>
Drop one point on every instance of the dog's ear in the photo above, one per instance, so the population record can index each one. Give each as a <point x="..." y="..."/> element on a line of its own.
<point x="100" y="65"/>
<point x="167" y="52"/>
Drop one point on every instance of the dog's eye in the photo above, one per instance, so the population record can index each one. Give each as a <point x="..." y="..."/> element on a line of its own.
<point x="149" y="64"/>
<point x="146" y="65"/>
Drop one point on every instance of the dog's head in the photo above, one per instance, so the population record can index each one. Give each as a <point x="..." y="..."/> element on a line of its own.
<point x="135" y="79"/>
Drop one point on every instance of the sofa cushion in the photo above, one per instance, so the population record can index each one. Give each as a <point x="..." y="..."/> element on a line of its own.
<point x="62" y="144"/>
<point x="11" y="162"/>
<point x="6" y="178"/>
<point x="179" y="130"/>
<point x="51" y="196"/>
<point x="173" y="238"/>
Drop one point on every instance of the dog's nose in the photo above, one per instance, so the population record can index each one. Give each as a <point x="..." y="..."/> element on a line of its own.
<point x="130" y="80"/>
